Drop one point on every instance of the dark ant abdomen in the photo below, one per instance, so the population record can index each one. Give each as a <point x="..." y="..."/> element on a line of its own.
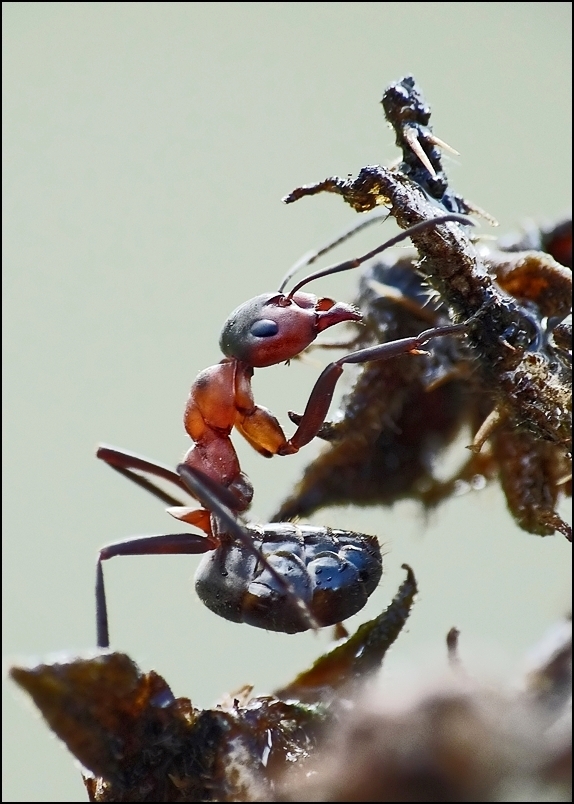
<point x="332" y="571"/>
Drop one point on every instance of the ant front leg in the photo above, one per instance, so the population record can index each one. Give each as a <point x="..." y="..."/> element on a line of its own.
<point x="165" y="544"/>
<point x="318" y="404"/>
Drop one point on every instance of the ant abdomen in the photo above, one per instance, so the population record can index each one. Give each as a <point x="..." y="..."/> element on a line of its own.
<point x="332" y="571"/>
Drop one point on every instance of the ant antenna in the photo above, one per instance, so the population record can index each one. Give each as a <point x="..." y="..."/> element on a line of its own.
<point x="413" y="230"/>
<point x="312" y="256"/>
<point x="210" y="494"/>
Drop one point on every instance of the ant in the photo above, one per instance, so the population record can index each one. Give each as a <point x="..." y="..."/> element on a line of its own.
<point x="280" y="576"/>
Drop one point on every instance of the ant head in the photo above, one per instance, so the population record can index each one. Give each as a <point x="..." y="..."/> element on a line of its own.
<point x="273" y="328"/>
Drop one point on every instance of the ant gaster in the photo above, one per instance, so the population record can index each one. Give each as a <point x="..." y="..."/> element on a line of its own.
<point x="279" y="576"/>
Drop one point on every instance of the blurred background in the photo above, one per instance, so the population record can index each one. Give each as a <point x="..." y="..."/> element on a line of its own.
<point x="147" y="149"/>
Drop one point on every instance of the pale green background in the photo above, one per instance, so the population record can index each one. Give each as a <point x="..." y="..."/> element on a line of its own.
<point x="147" y="148"/>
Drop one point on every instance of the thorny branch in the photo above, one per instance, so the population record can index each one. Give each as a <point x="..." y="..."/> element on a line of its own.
<point x="531" y="382"/>
<point x="511" y="386"/>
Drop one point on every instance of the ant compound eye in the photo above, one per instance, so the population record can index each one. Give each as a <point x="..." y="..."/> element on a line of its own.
<point x="264" y="328"/>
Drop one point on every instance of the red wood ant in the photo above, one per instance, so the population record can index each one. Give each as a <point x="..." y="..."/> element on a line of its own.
<point x="281" y="576"/>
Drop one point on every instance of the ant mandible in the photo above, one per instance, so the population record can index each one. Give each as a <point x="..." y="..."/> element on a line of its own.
<point x="267" y="576"/>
